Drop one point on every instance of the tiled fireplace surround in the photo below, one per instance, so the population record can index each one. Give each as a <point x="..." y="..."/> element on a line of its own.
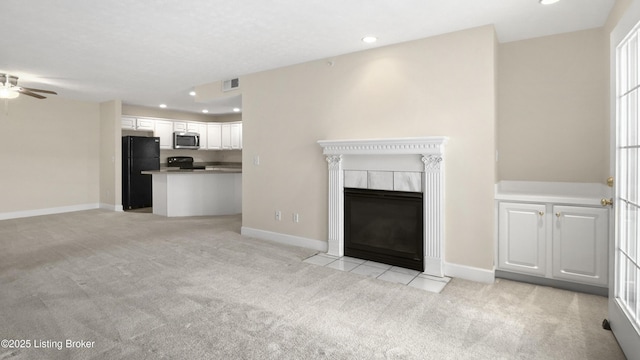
<point x="401" y="164"/>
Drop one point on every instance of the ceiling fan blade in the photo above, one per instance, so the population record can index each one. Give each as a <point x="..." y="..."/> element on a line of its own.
<point x="27" y="92"/>
<point x="40" y="90"/>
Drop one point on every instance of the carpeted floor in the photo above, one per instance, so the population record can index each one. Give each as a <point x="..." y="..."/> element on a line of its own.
<point x="139" y="286"/>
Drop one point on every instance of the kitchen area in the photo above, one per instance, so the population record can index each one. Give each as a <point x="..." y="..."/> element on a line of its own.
<point x="173" y="167"/>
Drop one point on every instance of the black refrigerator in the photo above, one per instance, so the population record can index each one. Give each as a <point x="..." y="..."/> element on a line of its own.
<point x="138" y="154"/>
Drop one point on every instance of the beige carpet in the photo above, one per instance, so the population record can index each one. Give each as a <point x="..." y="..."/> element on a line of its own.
<point x="139" y="286"/>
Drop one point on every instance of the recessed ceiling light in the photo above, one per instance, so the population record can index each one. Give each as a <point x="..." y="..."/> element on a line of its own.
<point x="369" y="39"/>
<point x="192" y="93"/>
<point x="236" y="109"/>
<point x="548" y="2"/>
<point x="163" y="105"/>
<point x="205" y="111"/>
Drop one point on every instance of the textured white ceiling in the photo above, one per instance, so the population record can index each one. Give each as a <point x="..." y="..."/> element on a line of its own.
<point x="150" y="52"/>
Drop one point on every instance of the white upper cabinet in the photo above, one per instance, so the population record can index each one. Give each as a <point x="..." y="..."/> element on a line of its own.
<point x="200" y="128"/>
<point x="131" y="123"/>
<point x="194" y="127"/>
<point x="164" y="130"/>
<point x="214" y="136"/>
<point x="236" y="136"/>
<point x="128" y="123"/>
<point x="145" y="124"/>
<point x="232" y="136"/>
<point x="180" y="126"/>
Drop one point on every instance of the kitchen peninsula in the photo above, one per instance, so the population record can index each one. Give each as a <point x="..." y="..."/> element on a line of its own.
<point x="214" y="190"/>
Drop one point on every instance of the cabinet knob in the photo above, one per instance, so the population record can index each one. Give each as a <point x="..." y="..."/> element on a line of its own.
<point x="540" y="213"/>
<point x="606" y="202"/>
<point x="558" y="214"/>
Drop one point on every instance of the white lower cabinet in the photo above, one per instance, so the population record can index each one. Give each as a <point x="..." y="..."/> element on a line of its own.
<point x="559" y="242"/>
<point x="522" y="238"/>
<point x="580" y="246"/>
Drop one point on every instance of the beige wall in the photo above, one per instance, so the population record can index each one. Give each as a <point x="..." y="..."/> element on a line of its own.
<point x="50" y="153"/>
<point x="110" y="152"/>
<point x="552" y="108"/>
<point x="443" y="85"/>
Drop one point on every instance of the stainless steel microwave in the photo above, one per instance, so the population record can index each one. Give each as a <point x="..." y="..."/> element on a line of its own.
<point x="186" y="140"/>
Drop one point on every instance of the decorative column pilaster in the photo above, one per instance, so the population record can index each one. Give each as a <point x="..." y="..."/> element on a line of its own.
<point x="433" y="214"/>
<point x="336" y="206"/>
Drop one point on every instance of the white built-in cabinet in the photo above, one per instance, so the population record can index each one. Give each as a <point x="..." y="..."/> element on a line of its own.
<point x="580" y="244"/>
<point x="522" y="238"/>
<point x="555" y="240"/>
<point x="213" y="136"/>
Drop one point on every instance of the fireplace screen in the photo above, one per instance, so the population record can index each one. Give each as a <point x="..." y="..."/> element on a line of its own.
<point x="384" y="226"/>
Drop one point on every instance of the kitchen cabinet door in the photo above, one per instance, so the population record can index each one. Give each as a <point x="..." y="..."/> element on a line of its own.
<point x="145" y="124"/>
<point x="226" y="136"/>
<point x="180" y="126"/>
<point x="580" y="244"/>
<point x="202" y="130"/>
<point x="214" y="136"/>
<point x="128" y="123"/>
<point x="164" y="130"/>
<point x="236" y="136"/>
<point x="194" y="127"/>
<point x="522" y="238"/>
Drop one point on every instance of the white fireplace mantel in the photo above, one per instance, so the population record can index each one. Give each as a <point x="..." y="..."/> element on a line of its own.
<point x="425" y="153"/>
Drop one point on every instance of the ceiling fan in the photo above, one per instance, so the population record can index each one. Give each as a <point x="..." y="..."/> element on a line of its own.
<point x="9" y="88"/>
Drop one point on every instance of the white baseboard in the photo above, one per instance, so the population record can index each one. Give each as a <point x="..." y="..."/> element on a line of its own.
<point x="469" y="273"/>
<point x="111" y="207"/>
<point x="285" y="239"/>
<point x="47" y="211"/>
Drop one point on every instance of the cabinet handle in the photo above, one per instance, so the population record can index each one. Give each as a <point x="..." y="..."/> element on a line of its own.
<point x="540" y="213"/>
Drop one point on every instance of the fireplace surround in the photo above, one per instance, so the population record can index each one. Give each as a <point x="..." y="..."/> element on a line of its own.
<point x="398" y="164"/>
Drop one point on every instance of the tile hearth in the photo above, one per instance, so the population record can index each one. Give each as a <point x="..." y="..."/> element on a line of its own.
<point x="380" y="271"/>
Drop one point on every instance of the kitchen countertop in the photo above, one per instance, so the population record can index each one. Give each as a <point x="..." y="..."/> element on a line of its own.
<point x="210" y="168"/>
<point x="207" y="170"/>
<point x="552" y="192"/>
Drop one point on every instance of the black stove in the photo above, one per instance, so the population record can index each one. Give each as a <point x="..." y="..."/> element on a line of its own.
<point x="182" y="162"/>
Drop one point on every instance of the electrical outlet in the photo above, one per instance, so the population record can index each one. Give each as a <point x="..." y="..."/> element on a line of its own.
<point x="278" y="215"/>
<point x="296" y="217"/>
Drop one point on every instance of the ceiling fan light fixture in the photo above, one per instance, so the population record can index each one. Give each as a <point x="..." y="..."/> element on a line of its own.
<point x="7" y="93"/>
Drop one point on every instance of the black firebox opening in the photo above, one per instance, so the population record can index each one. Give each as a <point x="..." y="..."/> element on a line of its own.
<point x="384" y="226"/>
